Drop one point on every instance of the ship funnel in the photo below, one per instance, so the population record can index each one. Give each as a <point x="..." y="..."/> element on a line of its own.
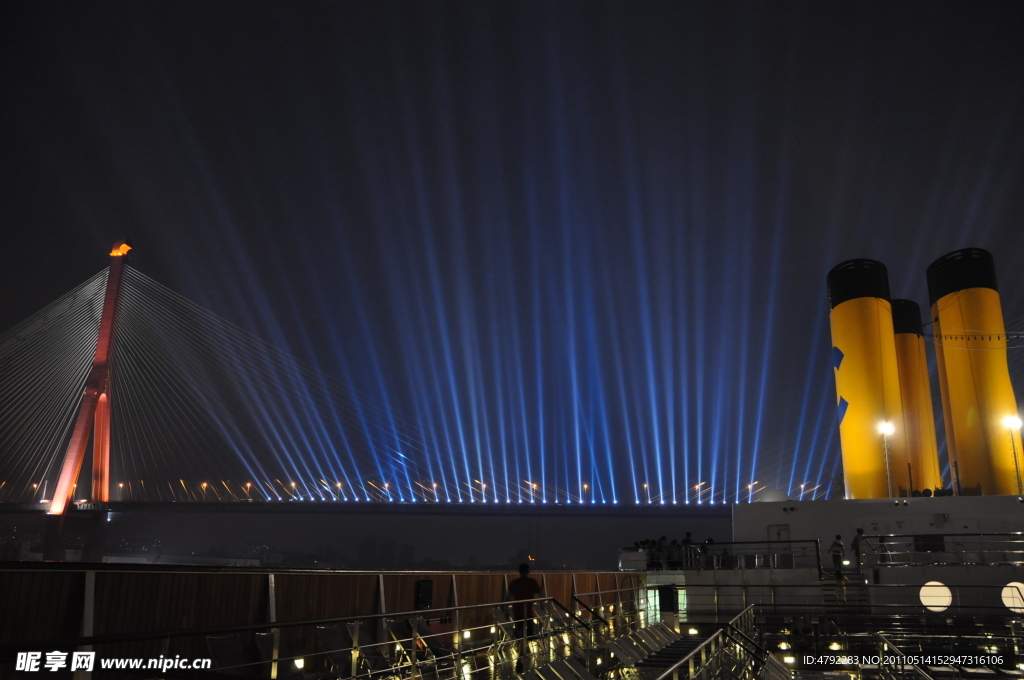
<point x="915" y="388"/>
<point x="872" y="432"/>
<point x="974" y="379"/>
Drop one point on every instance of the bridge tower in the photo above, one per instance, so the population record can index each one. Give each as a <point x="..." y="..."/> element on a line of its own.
<point x="94" y="407"/>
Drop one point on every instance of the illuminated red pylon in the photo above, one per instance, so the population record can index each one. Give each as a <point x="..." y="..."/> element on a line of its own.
<point x="94" y="407"/>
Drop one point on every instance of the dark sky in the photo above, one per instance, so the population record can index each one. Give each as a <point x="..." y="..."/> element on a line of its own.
<point x="591" y="236"/>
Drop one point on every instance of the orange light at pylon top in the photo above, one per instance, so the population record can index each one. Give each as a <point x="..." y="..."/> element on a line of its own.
<point x="120" y="249"/>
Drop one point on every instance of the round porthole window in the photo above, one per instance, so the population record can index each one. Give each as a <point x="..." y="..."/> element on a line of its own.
<point x="936" y="596"/>
<point x="1013" y="597"/>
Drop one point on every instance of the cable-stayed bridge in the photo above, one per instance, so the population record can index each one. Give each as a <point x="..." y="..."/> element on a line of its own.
<point x="165" y="401"/>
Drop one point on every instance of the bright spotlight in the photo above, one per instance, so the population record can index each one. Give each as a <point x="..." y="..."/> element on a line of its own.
<point x="886" y="428"/>
<point x="1012" y="422"/>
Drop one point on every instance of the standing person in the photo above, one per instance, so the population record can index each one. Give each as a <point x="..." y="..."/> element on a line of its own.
<point x="522" y="590"/>
<point x="884" y="554"/>
<point x="838" y="550"/>
<point x="860" y="542"/>
<point x="688" y="559"/>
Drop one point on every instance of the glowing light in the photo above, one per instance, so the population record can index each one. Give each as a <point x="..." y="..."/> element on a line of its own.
<point x="120" y="249"/>
<point x="936" y="596"/>
<point x="886" y="428"/>
<point x="1013" y="597"/>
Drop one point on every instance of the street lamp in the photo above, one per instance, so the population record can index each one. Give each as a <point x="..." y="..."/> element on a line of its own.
<point x="1013" y="423"/>
<point x="886" y="429"/>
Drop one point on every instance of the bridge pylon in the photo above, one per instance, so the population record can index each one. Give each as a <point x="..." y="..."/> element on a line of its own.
<point x="94" y="408"/>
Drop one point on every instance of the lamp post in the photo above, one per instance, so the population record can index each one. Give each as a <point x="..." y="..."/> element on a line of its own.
<point x="887" y="429"/>
<point x="1013" y="423"/>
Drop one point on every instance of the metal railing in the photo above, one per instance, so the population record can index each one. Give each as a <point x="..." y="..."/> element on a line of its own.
<point x="892" y="661"/>
<point x="733" y="651"/>
<point x="903" y="550"/>
<point x="447" y="643"/>
<point x="830" y="595"/>
<point x="802" y="554"/>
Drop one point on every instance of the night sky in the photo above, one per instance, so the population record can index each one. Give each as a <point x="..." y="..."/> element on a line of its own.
<point x="589" y="239"/>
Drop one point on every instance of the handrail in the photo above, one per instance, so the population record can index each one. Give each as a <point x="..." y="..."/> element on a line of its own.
<point x="971" y="590"/>
<point x="716" y="543"/>
<point x="613" y="590"/>
<point x="733" y="620"/>
<point x="191" y="632"/>
<point x="147" y="568"/>
<point x="592" y="612"/>
<point x="686" y="659"/>
<point x="572" y="613"/>
<point x="943" y="533"/>
<point x="900" y="654"/>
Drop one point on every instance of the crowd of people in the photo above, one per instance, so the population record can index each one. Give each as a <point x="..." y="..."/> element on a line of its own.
<point x="675" y="554"/>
